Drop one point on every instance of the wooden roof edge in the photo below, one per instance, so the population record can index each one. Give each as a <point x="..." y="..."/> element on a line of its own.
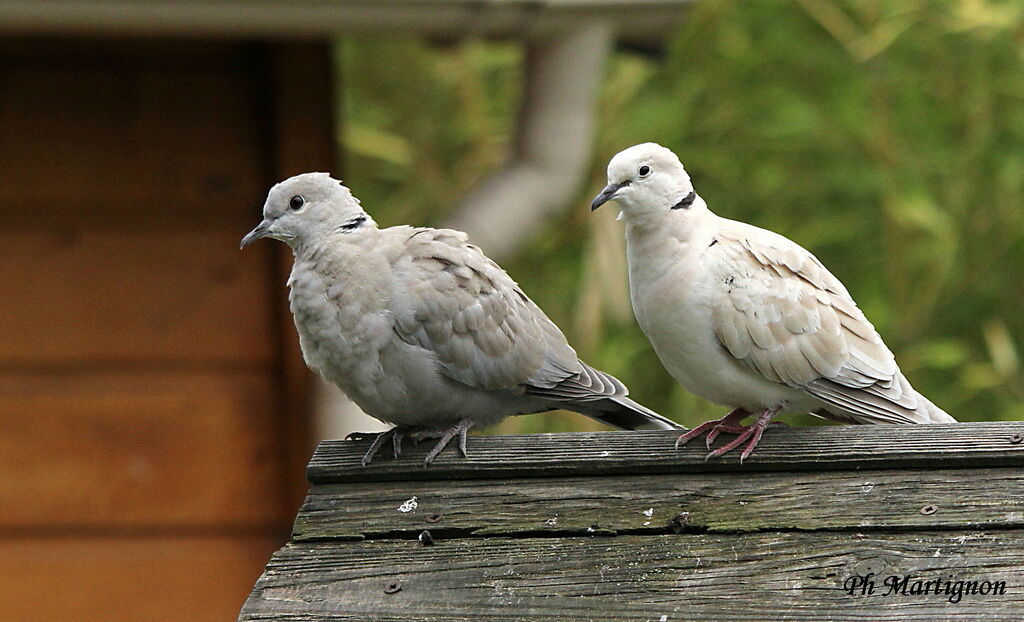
<point x="642" y="22"/>
<point x="968" y="445"/>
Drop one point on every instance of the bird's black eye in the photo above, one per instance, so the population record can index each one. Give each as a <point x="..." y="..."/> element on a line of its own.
<point x="644" y="171"/>
<point x="296" y="202"/>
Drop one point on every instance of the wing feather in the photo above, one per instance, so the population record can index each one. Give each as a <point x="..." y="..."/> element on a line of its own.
<point x="484" y="331"/>
<point x="780" y="312"/>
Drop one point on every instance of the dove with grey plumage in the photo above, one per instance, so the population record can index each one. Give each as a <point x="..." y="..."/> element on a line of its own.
<point x="420" y="329"/>
<point x="745" y="317"/>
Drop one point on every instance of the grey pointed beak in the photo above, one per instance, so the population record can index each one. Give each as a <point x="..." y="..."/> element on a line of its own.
<point x="607" y="194"/>
<point x="261" y="231"/>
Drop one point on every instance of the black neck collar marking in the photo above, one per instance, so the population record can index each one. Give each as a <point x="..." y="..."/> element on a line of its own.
<point x="355" y="223"/>
<point x="686" y="201"/>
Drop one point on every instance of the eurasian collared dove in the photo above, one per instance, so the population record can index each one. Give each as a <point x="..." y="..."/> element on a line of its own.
<point x="745" y="317"/>
<point x="421" y="329"/>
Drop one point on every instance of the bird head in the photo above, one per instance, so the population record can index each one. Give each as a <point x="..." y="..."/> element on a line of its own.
<point x="308" y="206"/>
<point x="646" y="179"/>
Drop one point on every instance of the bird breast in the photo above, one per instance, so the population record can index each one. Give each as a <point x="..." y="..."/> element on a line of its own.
<point x="671" y="292"/>
<point x="341" y="333"/>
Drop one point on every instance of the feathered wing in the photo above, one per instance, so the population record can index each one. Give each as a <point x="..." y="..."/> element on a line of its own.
<point x="779" y="311"/>
<point x="486" y="333"/>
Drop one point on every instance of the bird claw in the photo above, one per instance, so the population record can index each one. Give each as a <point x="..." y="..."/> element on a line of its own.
<point x="396" y="443"/>
<point x="751" y="434"/>
<point x="460" y="429"/>
<point x="731" y="419"/>
<point x="378" y="442"/>
<point x="722" y="427"/>
<point x="397" y="434"/>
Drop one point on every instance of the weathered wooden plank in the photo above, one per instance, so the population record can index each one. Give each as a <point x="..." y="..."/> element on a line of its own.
<point x="989" y="444"/>
<point x="864" y="500"/>
<point x="789" y="576"/>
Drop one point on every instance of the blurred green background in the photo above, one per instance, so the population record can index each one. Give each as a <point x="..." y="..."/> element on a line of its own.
<point x="885" y="136"/>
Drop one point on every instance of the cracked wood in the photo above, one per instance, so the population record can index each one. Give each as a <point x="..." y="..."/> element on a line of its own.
<point x="716" y="502"/>
<point x="790" y="576"/>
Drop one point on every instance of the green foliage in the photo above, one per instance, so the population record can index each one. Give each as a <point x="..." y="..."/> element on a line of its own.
<point x="886" y="136"/>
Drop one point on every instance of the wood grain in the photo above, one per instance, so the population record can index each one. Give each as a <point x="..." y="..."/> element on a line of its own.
<point x="822" y="448"/>
<point x="618" y="526"/>
<point x="118" y="297"/>
<point x="131" y="449"/>
<point x="139" y="135"/>
<point x="559" y="507"/>
<point x="118" y="579"/>
<point x="149" y="468"/>
<point x="304" y="140"/>
<point x="764" y="576"/>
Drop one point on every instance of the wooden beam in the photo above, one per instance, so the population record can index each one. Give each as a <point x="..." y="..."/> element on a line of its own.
<point x="761" y="576"/>
<point x="648" y="22"/>
<point x="301" y="94"/>
<point x="653" y="504"/>
<point x="959" y="445"/>
<point x="620" y="526"/>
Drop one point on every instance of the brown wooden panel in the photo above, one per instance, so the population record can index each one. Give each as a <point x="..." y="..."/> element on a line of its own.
<point x="185" y="296"/>
<point x="108" y="136"/>
<point x="304" y="131"/>
<point x="153" y="579"/>
<point x="127" y="449"/>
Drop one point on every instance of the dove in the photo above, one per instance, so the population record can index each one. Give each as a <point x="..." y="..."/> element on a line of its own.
<point x="745" y="317"/>
<point x="420" y="329"/>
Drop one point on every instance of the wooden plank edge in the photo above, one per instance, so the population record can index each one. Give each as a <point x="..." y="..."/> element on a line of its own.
<point x="867" y="500"/>
<point x="959" y="445"/>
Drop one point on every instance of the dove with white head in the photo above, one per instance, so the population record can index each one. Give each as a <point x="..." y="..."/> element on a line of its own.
<point x="745" y="317"/>
<point x="421" y="329"/>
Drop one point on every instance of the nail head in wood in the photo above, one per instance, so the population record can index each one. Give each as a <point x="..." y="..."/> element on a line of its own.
<point x="679" y="522"/>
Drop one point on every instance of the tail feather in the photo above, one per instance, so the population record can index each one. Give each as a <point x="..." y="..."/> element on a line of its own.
<point x="623" y="413"/>
<point x="936" y="414"/>
<point x="858" y="405"/>
<point x="601" y="397"/>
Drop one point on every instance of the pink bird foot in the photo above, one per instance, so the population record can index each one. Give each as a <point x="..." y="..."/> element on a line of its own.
<point x="731" y="424"/>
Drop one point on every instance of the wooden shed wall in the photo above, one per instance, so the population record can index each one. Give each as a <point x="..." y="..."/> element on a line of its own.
<point x="151" y="431"/>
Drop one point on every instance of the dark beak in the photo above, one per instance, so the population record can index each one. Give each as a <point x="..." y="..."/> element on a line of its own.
<point x="260" y="231"/>
<point x="607" y="194"/>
